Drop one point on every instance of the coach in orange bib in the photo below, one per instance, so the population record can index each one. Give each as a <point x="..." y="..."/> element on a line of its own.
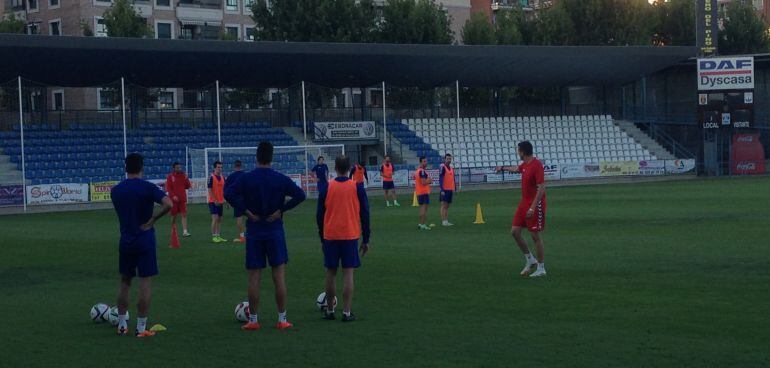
<point x="342" y="217"/>
<point x="422" y="188"/>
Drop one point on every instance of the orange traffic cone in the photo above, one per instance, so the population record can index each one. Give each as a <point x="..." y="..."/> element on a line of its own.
<point x="174" y="242"/>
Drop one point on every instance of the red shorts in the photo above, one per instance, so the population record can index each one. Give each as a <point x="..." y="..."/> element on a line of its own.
<point x="536" y="223"/>
<point x="179" y="207"/>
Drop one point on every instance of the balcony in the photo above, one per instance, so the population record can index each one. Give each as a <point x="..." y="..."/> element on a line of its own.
<point x="201" y="4"/>
<point x="200" y="12"/>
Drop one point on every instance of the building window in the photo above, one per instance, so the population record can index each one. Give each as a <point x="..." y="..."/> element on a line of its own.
<point x="54" y="27"/>
<point x="247" y="6"/>
<point x="163" y="3"/>
<point x="100" y="29"/>
<point x="164" y="30"/>
<point x="107" y="98"/>
<point x="166" y="99"/>
<point x="249" y="34"/>
<point x="58" y="100"/>
<point x="33" y="6"/>
<point x="232" y="5"/>
<point x="33" y="28"/>
<point x="53" y="4"/>
<point x="233" y="32"/>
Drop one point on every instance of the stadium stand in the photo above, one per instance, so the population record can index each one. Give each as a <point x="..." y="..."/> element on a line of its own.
<point x="94" y="152"/>
<point x="487" y="142"/>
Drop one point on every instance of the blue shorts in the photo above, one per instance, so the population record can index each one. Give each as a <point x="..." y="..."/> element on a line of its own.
<point x="215" y="209"/>
<point x="266" y="245"/>
<point x="237" y="213"/>
<point x="423" y="199"/>
<point x="388" y="185"/>
<point x="341" y="251"/>
<point x="138" y="258"/>
<point x="322" y="186"/>
<point x="446" y="196"/>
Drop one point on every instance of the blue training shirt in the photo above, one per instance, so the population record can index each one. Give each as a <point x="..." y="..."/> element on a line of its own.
<point x="134" y="200"/>
<point x="233" y="177"/>
<point x="321" y="172"/>
<point x="263" y="191"/>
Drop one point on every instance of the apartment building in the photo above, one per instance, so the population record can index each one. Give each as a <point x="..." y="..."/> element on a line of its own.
<point x="172" y="19"/>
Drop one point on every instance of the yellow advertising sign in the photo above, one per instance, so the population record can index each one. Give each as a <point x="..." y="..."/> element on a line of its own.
<point x="100" y="191"/>
<point x="618" y="168"/>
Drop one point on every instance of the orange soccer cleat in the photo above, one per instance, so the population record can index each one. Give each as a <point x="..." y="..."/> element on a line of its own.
<point x="145" y="333"/>
<point x="251" y="326"/>
<point x="284" y="325"/>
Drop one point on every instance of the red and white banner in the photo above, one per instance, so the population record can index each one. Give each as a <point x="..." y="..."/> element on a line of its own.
<point x="747" y="155"/>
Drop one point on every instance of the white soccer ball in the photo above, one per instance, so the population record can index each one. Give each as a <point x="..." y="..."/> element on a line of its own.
<point x="99" y="312"/>
<point x="242" y="311"/>
<point x="320" y="302"/>
<point x="113" y="316"/>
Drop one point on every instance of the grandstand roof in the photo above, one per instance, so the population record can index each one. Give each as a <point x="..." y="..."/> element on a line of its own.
<point x="90" y="61"/>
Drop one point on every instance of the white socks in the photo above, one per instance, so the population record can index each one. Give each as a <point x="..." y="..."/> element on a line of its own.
<point x="282" y="316"/>
<point x="530" y="258"/>
<point x="347" y="314"/>
<point x="243" y="236"/>
<point x="253" y="318"/>
<point x="141" y="324"/>
<point x="122" y="321"/>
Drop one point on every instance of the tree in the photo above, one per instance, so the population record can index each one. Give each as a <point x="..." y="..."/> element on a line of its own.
<point x="415" y="21"/>
<point x="478" y="30"/>
<point x="122" y="20"/>
<point x="674" y="24"/>
<point x="508" y="27"/>
<point x="12" y="24"/>
<point x="743" y="31"/>
<point x="315" y="21"/>
<point x="554" y="28"/>
<point x="597" y="22"/>
<point x="86" y="29"/>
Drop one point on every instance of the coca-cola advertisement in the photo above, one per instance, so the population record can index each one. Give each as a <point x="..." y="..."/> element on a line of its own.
<point x="747" y="156"/>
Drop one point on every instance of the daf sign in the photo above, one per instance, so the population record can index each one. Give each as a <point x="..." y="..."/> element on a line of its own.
<point x="729" y="73"/>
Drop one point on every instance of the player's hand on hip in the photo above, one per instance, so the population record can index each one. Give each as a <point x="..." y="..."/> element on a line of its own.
<point x="146" y="226"/>
<point x="176" y="199"/>
<point x="364" y="249"/>
<point x="530" y="213"/>
<point x="275" y="216"/>
<point x="252" y="217"/>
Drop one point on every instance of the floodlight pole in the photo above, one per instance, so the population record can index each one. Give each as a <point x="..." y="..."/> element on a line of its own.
<point x="384" y="123"/>
<point x="304" y="114"/>
<point x="123" y="110"/>
<point x="219" y="125"/>
<point x="23" y="163"/>
<point x="457" y="125"/>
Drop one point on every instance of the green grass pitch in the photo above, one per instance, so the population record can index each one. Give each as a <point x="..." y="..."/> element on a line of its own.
<point x="673" y="274"/>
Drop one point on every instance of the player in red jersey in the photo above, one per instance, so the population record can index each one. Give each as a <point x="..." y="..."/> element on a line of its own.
<point x="531" y="211"/>
<point x="177" y="184"/>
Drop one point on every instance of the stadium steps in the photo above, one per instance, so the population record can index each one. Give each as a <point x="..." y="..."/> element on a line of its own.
<point x="9" y="173"/>
<point x="296" y="133"/>
<point x="645" y="140"/>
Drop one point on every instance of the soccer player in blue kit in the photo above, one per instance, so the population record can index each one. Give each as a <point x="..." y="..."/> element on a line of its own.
<point x="134" y="199"/>
<point x="230" y="180"/>
<point x="321" y="171"/>
<point x="261" y="195"/>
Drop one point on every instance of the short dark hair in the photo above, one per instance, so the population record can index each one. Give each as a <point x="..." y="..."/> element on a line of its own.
<point x="448" y="155"/>
<point x="237" y="163"/>
<point x="175" y="164"/>
<point x="387" y="156"/>
<point x="265" y="153"/>
<point x="320" y="157"/>
<point x="134" y="163"/>
<point x="342" y="164"/>
<point x="217" y="163"/>
<point x="526" y="148"/>
<point x="422" y="158"/>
